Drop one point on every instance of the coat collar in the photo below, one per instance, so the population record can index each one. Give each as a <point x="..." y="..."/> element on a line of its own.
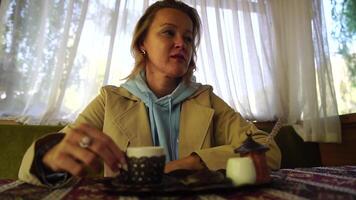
<point x="195" y="119"/>
<point x="125" y="93"/>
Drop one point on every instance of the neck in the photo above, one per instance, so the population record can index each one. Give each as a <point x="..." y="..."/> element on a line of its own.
<point x="161" y="85"/>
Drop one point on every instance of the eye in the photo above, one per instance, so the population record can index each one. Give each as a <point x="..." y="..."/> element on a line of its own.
<point x="168" y="32"/>
<point x="188" y="39"/>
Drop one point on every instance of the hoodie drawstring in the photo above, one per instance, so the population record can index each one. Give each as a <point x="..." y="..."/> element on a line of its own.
<point x="171" y="134"/>
<point x="153" y="127"/>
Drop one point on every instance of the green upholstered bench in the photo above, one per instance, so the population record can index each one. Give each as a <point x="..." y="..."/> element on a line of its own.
<point x="14" y="141"/>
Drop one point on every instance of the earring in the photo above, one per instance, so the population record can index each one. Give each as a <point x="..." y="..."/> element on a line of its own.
<point x="143" y="51"/>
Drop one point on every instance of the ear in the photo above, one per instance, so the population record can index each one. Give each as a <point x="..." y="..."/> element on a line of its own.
<point x="143" y="50"/>
<point x="142" y="47"/>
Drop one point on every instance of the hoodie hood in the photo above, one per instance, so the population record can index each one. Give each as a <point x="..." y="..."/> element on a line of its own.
<point x="164" y="112"/>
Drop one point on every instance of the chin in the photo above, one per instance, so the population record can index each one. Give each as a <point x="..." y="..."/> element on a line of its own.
<point x="175" y="76"/>
<point x="179" y="70"/>
<point x="178" y="74"/>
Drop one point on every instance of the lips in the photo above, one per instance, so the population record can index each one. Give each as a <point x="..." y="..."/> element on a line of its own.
<point x="178" y="56"/>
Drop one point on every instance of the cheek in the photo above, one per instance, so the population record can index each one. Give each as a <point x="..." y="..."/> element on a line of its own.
<point x="158" y="53"/>
<point x="161" y="50"/>
<point x="190" y="53"/>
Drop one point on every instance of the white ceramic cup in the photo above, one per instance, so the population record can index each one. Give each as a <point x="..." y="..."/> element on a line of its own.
<point x="146" y="151"/>
<point x="241" y="171"/>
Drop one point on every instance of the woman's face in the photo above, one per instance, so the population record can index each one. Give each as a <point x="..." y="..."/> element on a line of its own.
<point x="169" y="43"/>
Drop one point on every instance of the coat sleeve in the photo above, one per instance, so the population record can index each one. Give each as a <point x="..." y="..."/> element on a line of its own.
<point x="229" y="132"/>
<point x="93" y="114"/>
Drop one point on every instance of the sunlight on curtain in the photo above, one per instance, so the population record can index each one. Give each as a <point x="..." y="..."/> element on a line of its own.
<point x="303" y="73"/>
<point x="57" y="55"/>
<point x="261" y="56"/>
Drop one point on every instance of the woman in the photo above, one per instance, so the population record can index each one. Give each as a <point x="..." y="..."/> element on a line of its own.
<point x="160" y="104"/>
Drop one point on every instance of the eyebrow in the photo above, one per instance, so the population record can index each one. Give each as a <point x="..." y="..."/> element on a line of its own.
<point x="170" y="24"/>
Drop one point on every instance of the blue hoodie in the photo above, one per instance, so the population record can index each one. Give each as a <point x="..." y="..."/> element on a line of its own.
<point x="164" y="112"/>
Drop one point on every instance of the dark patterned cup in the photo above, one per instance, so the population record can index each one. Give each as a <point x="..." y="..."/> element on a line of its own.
<point x="145" y="165"/>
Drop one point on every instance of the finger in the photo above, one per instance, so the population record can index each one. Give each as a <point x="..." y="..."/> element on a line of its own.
<point x="67" y="163"/>
<point x="116" y="151"/>
<point x="82" y="153"/>
<point x="66" y="148"/>
<point x="102" y="150"/>
<point x="85" y="156"/>
<point x="120" y="155"/>
<point x="104" y="147"/>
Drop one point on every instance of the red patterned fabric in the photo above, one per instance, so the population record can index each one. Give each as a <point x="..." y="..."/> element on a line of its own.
<point x="309" y="183"/>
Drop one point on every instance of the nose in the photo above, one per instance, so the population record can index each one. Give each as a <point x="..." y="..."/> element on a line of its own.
<point x="179" y="42"/>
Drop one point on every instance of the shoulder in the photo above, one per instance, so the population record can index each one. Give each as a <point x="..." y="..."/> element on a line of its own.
<point x="203" y="95"/>
<point x="111" y="91"/>
<point x="202" y="91"/>
<point x="206" y="96"/>
<point x="205" y="92"/>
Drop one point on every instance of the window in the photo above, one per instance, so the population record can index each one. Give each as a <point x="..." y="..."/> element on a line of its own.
<point x="340" y="16"/>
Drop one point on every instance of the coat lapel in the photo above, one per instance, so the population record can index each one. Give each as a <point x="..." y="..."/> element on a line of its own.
<point x="194" y="125"/>
<point x="134" y="123"/>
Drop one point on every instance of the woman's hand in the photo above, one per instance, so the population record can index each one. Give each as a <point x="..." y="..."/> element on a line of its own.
<point x="191" y="162"/>
<point x="69" y="156"/>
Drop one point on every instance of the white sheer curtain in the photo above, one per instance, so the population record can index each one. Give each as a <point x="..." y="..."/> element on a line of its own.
<point x="266" y="58"/>
<point x="57" y="54"/>
<point x="271" y="61"/>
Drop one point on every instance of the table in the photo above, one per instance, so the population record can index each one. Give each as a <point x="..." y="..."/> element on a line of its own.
<point x="300" y="183"/>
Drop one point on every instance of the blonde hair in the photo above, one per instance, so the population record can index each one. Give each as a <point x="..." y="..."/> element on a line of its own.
<point x="143" y="25"/>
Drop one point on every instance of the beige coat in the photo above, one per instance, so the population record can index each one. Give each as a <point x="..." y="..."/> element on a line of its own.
<point x="208" y="127"/>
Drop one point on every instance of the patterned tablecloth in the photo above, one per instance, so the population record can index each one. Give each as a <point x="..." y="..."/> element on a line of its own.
<point x="301" y="183"/>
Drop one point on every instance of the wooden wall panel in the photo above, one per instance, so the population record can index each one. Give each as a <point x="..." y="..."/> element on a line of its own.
<point x="344" y="153"/>
<point x="331" y="154"/>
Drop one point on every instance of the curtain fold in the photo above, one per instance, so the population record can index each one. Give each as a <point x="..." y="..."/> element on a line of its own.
<point x="303" y="75"/>
<point x="268" y="59"/>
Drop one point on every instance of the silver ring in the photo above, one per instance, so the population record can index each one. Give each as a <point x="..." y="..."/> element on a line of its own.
<point x="85" y="142"/>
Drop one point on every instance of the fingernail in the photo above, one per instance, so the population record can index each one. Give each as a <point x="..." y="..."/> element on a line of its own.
<point x="117" y="173"/>
<point x="125" y="167"/>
